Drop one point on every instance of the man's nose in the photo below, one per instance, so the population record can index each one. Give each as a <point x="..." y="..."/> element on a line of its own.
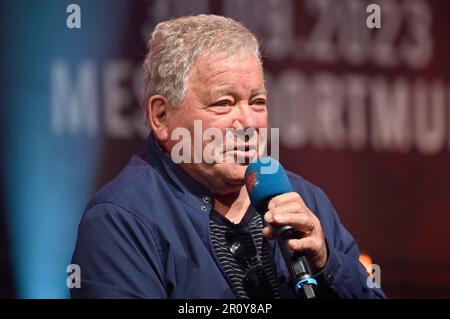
<point x="245" y="117"/>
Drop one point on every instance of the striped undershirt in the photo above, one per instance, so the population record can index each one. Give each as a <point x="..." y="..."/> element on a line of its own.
<point x="233" y="269"/>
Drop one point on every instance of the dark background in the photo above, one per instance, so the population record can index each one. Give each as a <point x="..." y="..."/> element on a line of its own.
<point x="392" y="193"/>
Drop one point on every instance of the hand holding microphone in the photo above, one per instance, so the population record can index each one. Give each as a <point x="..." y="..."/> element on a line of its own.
<point x="297" y="230"/>
<point x="290" y="209"/>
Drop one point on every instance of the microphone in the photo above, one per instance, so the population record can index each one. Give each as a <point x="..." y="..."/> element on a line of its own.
<point x="265" y="178"/>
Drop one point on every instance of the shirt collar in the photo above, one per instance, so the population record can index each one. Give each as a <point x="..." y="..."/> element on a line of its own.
<point x="162" y="163"/>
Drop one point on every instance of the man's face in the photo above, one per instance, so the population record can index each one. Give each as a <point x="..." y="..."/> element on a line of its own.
<point x="224" y="92"/>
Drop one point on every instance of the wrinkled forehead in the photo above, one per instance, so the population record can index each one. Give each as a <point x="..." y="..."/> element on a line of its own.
<point x="222" y="71"/>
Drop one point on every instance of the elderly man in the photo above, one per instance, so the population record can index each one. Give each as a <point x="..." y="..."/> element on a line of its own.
<point x="167" y="230"/>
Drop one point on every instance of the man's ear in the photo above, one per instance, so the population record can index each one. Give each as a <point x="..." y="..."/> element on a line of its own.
<point x="157" y="111"/>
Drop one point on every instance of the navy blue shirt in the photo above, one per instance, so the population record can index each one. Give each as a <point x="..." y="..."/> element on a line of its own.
<point x="146" y="235"/>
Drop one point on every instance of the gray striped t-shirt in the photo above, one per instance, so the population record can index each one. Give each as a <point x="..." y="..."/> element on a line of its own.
<point x="235" y="269"/>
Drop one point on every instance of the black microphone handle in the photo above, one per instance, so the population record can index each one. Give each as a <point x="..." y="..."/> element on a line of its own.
<point x="297" y="263"/>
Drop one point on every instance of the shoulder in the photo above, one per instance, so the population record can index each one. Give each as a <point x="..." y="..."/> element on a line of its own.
<point x="132" y="175"/>
<point x="121" y="211"/>
<point x="132" y="192"/>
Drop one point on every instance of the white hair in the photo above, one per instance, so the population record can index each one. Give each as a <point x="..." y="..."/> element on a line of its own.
<point x="176" y="44"/>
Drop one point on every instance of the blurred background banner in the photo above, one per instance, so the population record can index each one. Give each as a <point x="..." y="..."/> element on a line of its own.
<point x="363" y="113"/>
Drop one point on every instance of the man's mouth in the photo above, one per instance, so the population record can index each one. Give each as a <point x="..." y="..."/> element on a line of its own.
<point x="243" y="147"/>
<point x="242" y="154"/>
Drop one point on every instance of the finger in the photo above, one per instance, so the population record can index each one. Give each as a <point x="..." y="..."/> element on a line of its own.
<point x="285" y="198"/>
<point x="268" y="232"/>
<point x="313" y="247"/>
<point x="305" y="244"/>
<point x="301" y="221"/>
<point x="290" y="207"/>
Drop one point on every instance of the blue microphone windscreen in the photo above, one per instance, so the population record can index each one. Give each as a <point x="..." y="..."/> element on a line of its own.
<point x="265" y="178"/>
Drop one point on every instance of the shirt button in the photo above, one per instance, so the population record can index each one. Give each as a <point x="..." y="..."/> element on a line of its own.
<point x="330" y="279"/>
<point x="206" y="199"/>
<point x="203" y="207"/>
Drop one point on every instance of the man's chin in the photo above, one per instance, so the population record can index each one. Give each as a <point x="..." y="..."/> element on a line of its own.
<point x="234" y="173"/>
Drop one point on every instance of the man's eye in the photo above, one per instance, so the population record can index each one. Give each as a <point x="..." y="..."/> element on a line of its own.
<point x="223" y="103"/>
<point x="260" y="102"/>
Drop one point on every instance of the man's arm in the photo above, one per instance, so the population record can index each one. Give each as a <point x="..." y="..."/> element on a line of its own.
<point x="117" y="256"/>
<point x="343" y="273"/>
